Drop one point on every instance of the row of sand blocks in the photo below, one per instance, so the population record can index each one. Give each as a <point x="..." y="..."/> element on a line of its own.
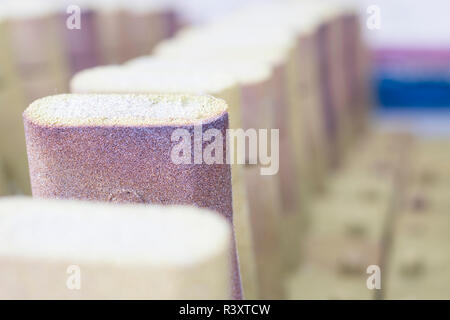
<point x="96" y="147"/>
<point x="349" y="234"/>
<point x="42" y="46"/>
<point x="389" y="208"/>
<point x="286" y="76"/>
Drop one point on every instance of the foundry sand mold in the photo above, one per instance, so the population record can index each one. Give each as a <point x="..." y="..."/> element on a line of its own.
<point x="122" y="251"/>
<point x="117" y="148"/>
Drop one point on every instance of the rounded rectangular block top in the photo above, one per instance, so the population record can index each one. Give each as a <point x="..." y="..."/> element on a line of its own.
<point x="173" y="78"/>
<point x="124" y="110"/>
<point x="118" y="251"/>
<point x="131" y="148"/>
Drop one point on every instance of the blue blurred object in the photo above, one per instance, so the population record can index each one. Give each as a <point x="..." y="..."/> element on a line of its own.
<point x="412" y="79"/>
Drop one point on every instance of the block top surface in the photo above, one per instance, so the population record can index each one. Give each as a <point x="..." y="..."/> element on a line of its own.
<point x="124" y="110"/>
<point x="76" y="231"/>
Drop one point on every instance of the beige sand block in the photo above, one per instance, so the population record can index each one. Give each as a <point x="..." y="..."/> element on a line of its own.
<point x="147" y="153"/>
<point x="49" y="247"/>
<point x="158" y="77"/>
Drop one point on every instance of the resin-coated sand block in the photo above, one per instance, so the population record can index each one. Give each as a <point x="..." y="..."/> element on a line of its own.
<point x="55" y="249"/>
<point x="149" y="75"/>
<point x="120" y="148"/>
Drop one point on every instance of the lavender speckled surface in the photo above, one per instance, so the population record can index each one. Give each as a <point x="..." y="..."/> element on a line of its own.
<point x="127" y="164"/>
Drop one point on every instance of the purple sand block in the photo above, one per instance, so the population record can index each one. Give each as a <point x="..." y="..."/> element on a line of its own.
<point x="130" y="164"/>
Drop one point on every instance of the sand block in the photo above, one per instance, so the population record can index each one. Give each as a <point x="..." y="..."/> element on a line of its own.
<point x="169" y="77"/>
<point x="163" y="252"/>
<point x="124" y="151"/>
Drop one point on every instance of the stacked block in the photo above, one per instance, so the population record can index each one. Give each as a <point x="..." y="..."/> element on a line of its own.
<point x="53" y="249"/>
<point x="129" y="157"/>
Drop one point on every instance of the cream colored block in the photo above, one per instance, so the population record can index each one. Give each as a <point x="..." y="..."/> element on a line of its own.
<point x="48" y="248"/>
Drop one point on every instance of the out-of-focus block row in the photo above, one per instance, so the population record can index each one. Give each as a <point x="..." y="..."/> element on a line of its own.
<point x="45" y="42"/>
